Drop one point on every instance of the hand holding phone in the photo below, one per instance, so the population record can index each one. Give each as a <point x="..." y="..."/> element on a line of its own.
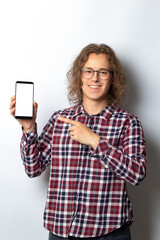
<point x="27" y="123"/>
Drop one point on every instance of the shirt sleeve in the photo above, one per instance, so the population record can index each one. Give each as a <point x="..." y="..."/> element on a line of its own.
<point x="129" y="160"/>
<point x="36" y="151"/>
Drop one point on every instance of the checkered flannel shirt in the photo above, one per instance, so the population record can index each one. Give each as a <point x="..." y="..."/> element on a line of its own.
<point x="87" y="193"/>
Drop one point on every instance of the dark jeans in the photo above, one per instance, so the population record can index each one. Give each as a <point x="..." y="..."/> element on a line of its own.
<point x="122" y="233"/>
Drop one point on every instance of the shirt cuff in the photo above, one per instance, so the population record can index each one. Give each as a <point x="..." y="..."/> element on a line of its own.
<point x="28" y="137"/>
<point x="103" y="149"/>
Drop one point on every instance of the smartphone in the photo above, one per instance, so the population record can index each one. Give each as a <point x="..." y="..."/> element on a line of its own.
<point x="24" y="92"/>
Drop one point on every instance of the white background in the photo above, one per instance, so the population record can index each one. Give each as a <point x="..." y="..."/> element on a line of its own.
<point x="39" y="39"/>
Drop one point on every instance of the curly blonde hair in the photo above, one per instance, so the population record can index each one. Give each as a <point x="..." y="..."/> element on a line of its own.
<point x="117" y="89"/>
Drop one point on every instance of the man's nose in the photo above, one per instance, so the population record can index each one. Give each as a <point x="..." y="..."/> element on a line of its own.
<point x="95" y="76"/>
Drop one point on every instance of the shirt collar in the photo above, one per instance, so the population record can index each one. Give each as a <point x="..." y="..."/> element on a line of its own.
<point x="105" y="113"/>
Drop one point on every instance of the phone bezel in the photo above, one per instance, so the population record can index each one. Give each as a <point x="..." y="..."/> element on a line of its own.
<point x="23" y="82"/>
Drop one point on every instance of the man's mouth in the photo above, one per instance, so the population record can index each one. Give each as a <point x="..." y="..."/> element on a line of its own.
<point x="94" y="86"/>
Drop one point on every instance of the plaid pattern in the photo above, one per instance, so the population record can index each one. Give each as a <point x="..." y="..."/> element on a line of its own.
<point x="87" y="193"/>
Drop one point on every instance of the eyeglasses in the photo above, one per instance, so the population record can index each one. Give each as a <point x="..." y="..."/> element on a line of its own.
<point x="103" y="74"/>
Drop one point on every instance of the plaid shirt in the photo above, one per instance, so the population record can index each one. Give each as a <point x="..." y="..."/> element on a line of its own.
<point x="87" y="193"/>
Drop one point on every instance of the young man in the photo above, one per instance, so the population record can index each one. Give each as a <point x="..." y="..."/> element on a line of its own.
<point x="93" y="148"/>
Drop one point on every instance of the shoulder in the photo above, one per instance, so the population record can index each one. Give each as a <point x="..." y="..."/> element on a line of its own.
<point x="123" y="113"/>
<point x="128" y="118"/>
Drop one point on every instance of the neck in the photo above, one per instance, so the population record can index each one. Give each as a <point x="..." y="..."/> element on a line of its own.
<point x="94" y="107"/>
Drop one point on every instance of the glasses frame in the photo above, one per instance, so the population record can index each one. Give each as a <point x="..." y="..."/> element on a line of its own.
<point x="97" y="71"/>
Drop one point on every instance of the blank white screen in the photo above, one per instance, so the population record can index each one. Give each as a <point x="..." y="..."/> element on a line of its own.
<point x="24" y="100"/>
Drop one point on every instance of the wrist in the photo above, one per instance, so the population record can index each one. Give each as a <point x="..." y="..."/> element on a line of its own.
<point x="30" y="129"/>
<point x="95" y="141"/>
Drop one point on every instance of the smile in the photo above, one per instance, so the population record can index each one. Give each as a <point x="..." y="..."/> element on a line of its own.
<point x="95" y="86"/>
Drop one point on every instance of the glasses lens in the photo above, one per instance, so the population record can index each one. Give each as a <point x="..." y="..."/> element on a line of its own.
<point x="104" y="74"/>
<point x="87" y="73"/>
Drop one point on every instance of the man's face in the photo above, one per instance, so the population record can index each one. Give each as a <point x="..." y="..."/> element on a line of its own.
<point x="94" y="88"/>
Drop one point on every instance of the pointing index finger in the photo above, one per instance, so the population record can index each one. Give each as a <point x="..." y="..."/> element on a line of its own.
<point x="67" y="120"/>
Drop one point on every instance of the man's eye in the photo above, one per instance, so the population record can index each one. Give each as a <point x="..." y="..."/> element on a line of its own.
<point x="88" y="71"/>
<point x="103" y="72"/>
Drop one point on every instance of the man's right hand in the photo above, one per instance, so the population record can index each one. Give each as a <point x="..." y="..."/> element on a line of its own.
<point x="27" y="124"/>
